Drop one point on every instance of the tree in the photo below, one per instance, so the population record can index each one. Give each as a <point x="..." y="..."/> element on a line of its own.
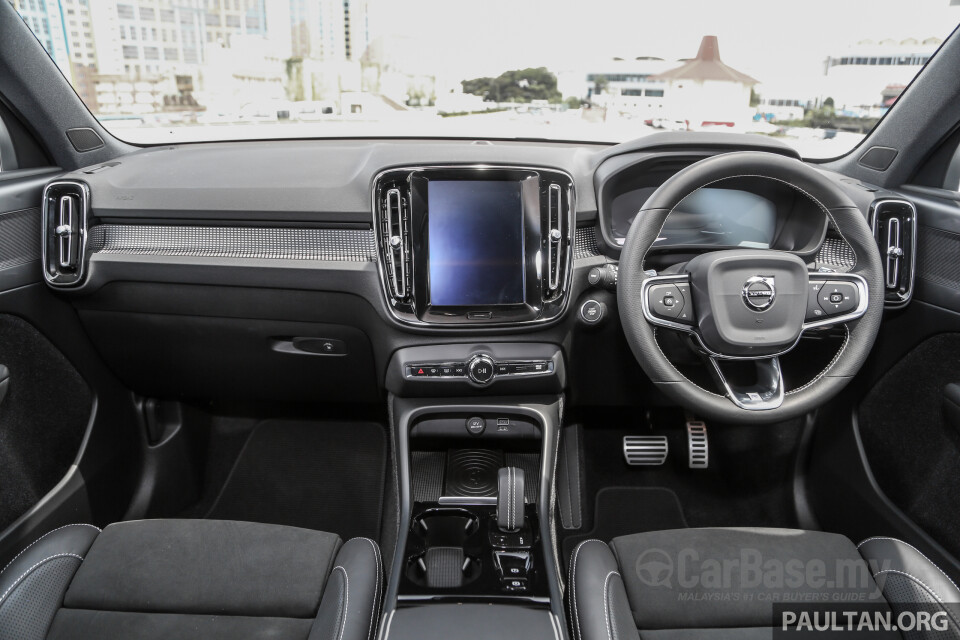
<point x="754" y="98"/>
<point x="294" y="81"/>
<point x="520" y="85"/>
<point x="600" y="84"/>
<point x="828" y="103"/>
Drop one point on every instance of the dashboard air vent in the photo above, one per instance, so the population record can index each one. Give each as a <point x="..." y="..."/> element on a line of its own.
<point x="65" y="208"/>
<point x="555" y="245"/>
<point x="894" y="225"/>
<point x="395" y="240"/>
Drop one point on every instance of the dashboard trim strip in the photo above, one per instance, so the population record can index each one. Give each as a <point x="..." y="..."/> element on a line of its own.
<point x="280" y="243"/>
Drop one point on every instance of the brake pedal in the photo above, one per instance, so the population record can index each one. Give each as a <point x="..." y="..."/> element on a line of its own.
<point x="642" y="451"/>
<point x="697" y="445"/>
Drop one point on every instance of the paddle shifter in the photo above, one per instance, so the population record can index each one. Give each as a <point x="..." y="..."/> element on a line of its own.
<point x="512" y="542"/>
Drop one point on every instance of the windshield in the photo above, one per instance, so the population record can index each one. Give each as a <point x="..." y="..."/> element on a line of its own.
<point x="817" y="74"/>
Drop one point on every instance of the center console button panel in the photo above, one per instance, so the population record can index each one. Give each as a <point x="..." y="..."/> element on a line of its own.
<point x="453" y="369"/>
<point x="499" y="426"/>
<point x="480" y="370"/>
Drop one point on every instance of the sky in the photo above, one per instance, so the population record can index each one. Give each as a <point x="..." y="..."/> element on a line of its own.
<point x="766" y="39"/>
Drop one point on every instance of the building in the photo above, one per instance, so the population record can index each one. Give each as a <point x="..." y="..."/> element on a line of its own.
<point x="624" y="84"/>
<point x="329" y="30"/>
<point x="703" y="91"/>
<point x="64" y="28"/>
<point x="150" y="37"/>
<point x="137" y="57"/>
<point x="706" y="92"/>
<point x="858" y="78"/>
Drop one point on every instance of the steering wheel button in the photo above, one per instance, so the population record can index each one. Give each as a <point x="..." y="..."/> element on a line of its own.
<point x="666" y="301"/>
<point x="837" y="298"/>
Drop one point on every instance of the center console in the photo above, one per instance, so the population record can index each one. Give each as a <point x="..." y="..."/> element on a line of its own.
<point x="474" y="246"/>
<point x="475" y="547"/>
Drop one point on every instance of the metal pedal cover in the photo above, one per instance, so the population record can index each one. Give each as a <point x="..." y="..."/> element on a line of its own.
<point x="645" y="450"/>
<point x="697" y="444"/>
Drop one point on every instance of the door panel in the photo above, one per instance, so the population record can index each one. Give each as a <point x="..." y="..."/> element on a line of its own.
<point x="70" y="445"/>
<point x="908" y="438"/>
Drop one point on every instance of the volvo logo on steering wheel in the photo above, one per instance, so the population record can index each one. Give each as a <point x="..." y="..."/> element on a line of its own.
<point x="759" y="293"/>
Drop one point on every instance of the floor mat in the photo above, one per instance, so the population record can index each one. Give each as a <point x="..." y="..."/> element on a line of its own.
<point x="316" y="475"/>
<point x="624" y="510"/>
<point x="749" y="482"/>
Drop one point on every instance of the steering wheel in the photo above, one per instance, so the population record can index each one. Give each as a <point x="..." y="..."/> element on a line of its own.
<point x="746" y="304"/>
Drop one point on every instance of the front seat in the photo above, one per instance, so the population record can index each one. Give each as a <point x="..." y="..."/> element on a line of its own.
<point x="191" y="579"/>
<point x="738" y="583"/>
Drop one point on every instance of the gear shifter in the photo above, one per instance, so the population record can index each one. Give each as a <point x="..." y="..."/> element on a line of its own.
<point x="510" y="502"/>
<point x="511" y="556"/>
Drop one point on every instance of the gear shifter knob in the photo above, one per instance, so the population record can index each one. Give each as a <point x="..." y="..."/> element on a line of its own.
<point x="510" y="501"/>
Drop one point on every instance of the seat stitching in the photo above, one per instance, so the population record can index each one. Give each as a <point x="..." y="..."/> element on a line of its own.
<point x="376" y="594"/>
<point x="608" y="611"/>
<point x="904" y="573"/>
<point x="924" y="585"/>
<point x="509" y="497"/>
<point x="915" y="549"/>
<point x="79" y="524"/>
<point x="17" y="582"/>
<point x="513" y="498"/>
<point x="346" y="601"/>
<point x="573" y="585"/>
<point x="566" y="468"/>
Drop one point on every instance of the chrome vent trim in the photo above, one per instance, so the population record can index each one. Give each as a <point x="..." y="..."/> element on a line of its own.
<point x="394" y="221"/>
<point x="894" y="224"/>
<point x="66" y="206"/>
<point x="894" y="253"/>
<point x="642" y="451"/>
<point x="555" y="238"/>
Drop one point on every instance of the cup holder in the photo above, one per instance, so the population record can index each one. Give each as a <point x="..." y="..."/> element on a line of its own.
<point x="445" y="527"/>
<point x="443" y="568"/>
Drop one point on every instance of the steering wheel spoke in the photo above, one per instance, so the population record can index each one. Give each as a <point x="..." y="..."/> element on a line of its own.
<point x="765" y="393"/>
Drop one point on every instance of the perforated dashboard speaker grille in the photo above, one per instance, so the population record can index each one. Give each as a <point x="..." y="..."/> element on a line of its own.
<point x="835" y="252"/>
<point x="234" y="242"/>
<point x="84" y="139"/>
<point x="472" y="473"/>
<point x="585" y="244"/>
<point x="19" y="231"/>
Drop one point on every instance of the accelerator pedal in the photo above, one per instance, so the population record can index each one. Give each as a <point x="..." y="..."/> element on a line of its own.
<point x="697" y="445"/>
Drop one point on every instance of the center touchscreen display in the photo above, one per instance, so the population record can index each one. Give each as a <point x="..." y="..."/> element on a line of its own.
<point x="475" y="239"/>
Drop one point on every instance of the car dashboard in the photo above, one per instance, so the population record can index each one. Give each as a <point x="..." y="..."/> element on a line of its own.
<point x="312" y="264"/>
